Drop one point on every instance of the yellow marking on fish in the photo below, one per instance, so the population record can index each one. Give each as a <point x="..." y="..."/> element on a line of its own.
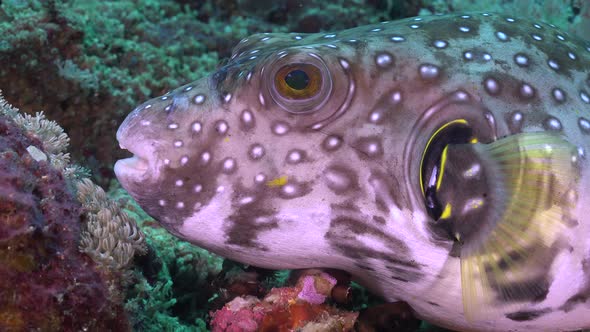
<point x="226" y="139"/>
<point x="446" y="214"/>
<point x="461" y="121"/>
<point x="443" y="162"/>
<point x="278" y="182"/>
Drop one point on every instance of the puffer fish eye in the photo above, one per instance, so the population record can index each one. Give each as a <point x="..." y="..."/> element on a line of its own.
<point x="298" y="81"/>
<point x="432" y="165"/>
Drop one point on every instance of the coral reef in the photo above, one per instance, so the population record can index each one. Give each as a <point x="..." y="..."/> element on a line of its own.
<point x="47" y="284"/>
<point x="110" y="236"/>
<point x="301" y="307"/>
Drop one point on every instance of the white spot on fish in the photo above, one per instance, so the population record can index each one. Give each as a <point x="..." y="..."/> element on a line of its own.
<point x="337" y="179"/>
<point x="552" y="124"/>
<point x="375" y="116"/>
<point x="229" y="166"/>
<point x="260" y="178"/>
<point x="440" y="44"/>
<point x="247" y="118"/>
<point x="501" y="36"/>
<point x="199" y="99"/>
<point x="526" y="91"/>
<point x="558" y="95"/>
<point x="472" y="171"/>
<point x="261" y="99"/>
<point x="553" y="64"/>
<point x="345" y="64"/>
<point x="183" y="160"/>
<point x="383" y="60"/>
<point x="221" y="127"/>
<point x="396" y="97"/>
<point x="196" y="127"/>
<point x="205" y="157"/>
<point x="521" y="60"/>
<point x="227" y="97"/>
<point x="572" y="55"/>
<point x="491" y="86"/>
<point x="332" y="143"/>
<point x="295" y="156"/>
<point x="256" y="151"/>
<point x="246" y="200"/>
<point x="429" y="71"/>
<point x="584" y="96"/>
<point x="280" y="128"/>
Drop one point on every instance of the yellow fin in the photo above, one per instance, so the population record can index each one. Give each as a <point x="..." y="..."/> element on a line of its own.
<point x="507" y="262"/>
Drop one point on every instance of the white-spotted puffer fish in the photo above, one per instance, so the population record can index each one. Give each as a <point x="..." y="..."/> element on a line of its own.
<point x="442" y="161"/>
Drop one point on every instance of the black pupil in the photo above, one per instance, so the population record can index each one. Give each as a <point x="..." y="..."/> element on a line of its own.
<point x="297" y="79"/>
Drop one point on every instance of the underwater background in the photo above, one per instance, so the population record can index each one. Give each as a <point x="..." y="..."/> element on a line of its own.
<point x="76" y="252"/>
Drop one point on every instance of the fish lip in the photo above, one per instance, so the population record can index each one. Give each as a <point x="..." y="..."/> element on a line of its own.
<point x="135" y="168"/>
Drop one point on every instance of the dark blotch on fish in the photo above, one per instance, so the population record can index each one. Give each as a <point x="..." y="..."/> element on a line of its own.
<point x="521" y="316"/>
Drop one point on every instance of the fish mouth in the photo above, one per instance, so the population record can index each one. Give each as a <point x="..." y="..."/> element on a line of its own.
<point x="134" y="168"/>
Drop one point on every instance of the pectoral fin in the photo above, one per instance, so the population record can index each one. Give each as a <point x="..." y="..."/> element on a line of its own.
<point x="507" y="203"/>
